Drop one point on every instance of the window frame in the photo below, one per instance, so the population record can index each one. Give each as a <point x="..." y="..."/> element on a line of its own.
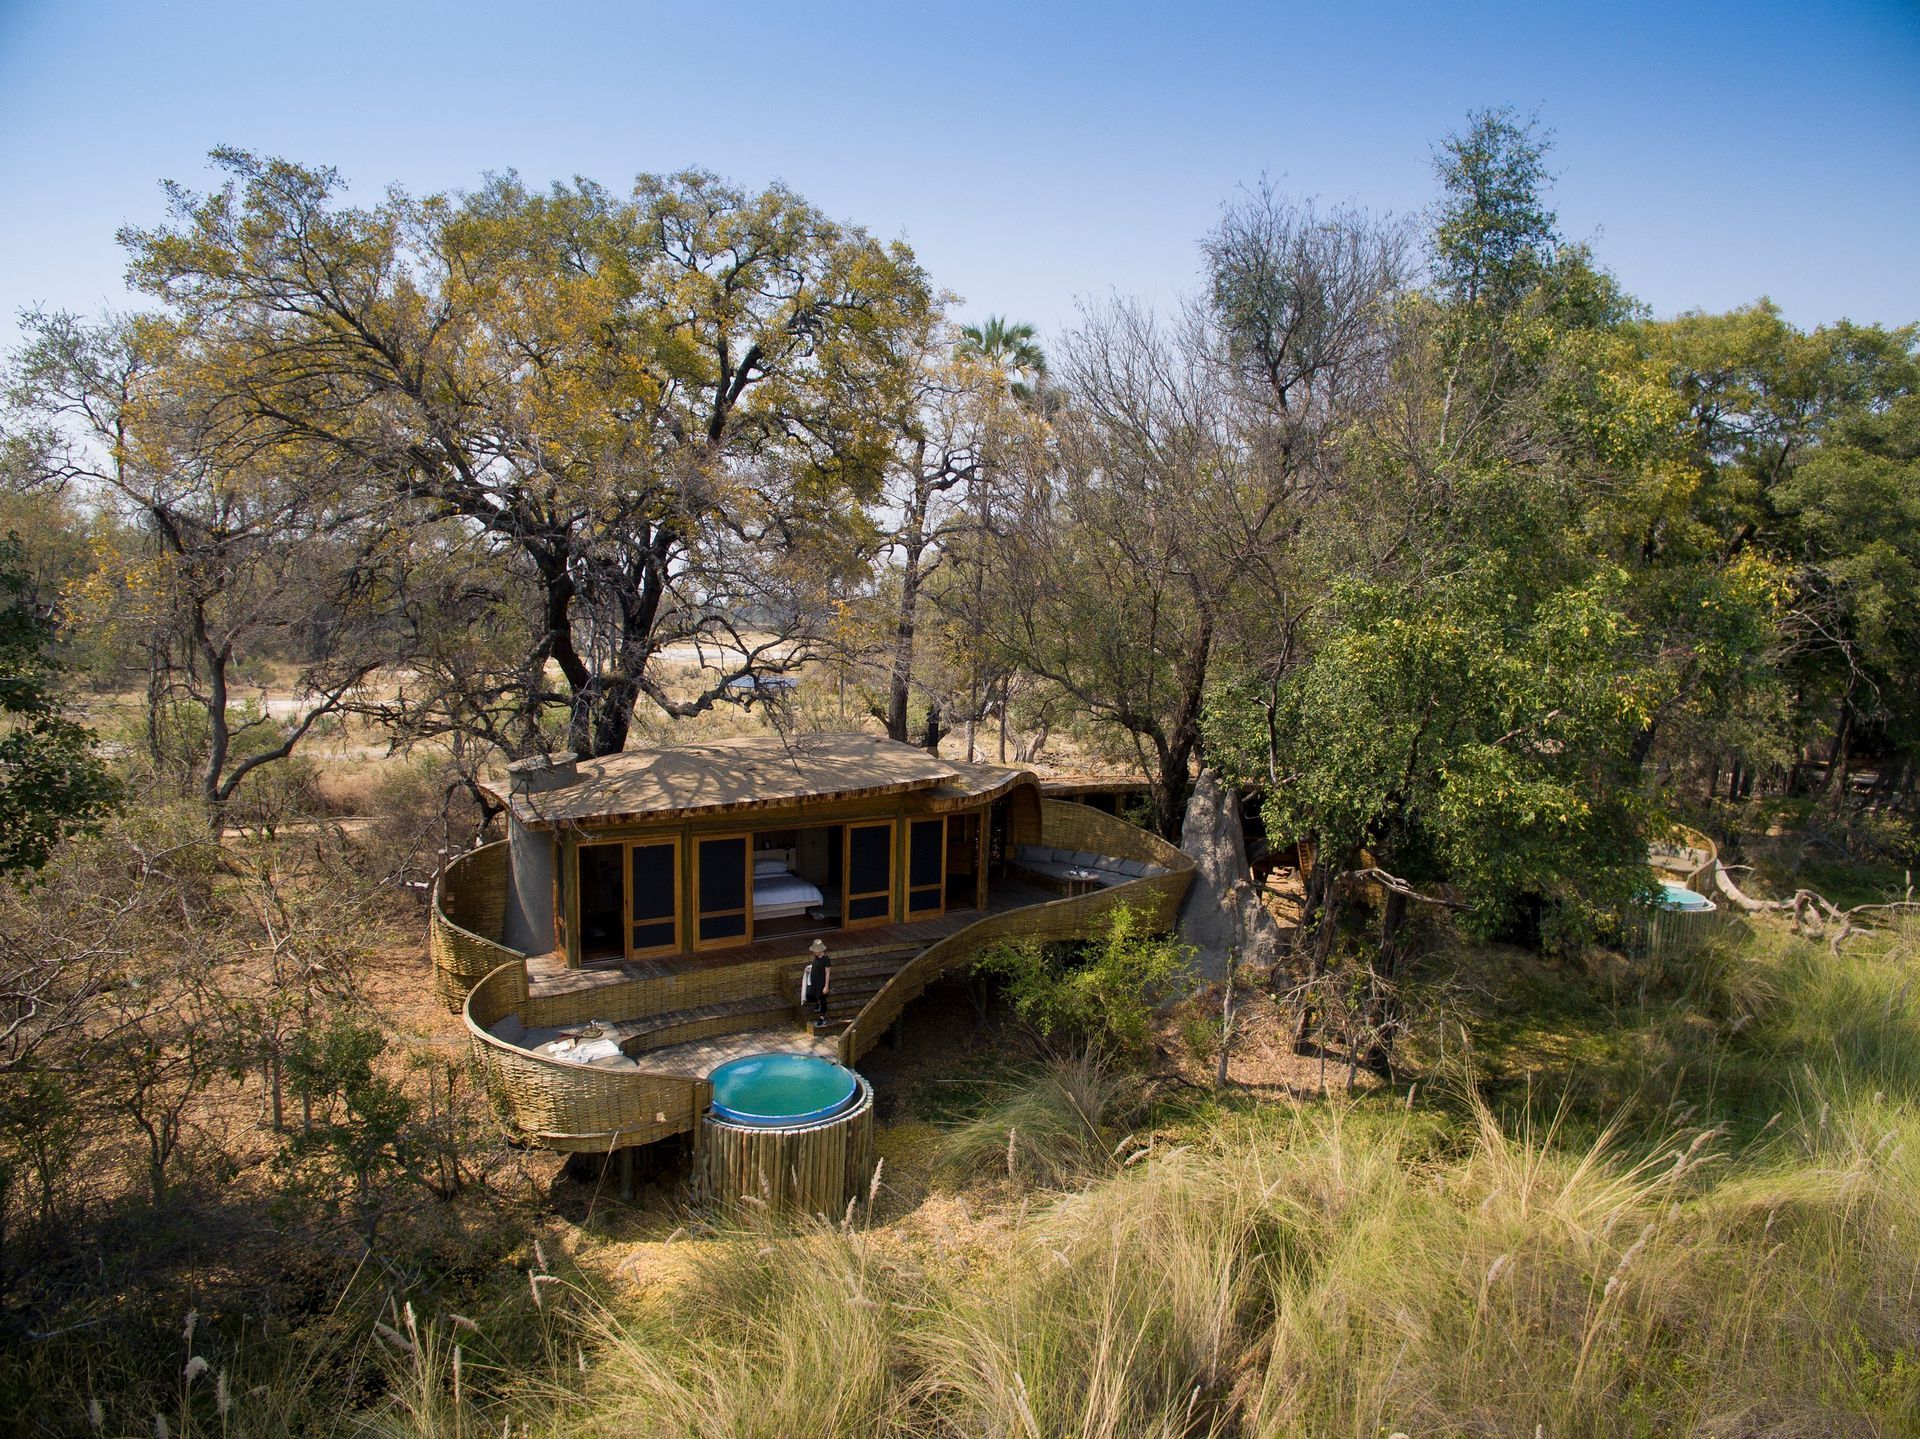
<point x="729" y="941"/>
<point x="847" y="894"/>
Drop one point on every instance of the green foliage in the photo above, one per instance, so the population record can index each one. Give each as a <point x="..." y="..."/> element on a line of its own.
<point x="362" y="1125"/>
<point x="1100" y="993"/>
<point x="1493" y="234"/>
<point x="1466" y="733"/>
<point x="52" y="783"/>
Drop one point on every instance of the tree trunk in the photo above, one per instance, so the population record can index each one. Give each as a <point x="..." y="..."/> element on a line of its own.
<point x="1840" y="752"/>
<point x="1006" y="682"/>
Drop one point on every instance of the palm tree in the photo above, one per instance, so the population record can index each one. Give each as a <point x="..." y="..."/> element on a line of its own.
<point x="1015" y="348"/>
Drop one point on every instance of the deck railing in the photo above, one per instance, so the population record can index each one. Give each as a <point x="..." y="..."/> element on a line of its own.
<point x="1689" y="854"/>
<point x="571" y="1107"/>
<point x="1063" y="825"/>
<point x="469" y="906"/>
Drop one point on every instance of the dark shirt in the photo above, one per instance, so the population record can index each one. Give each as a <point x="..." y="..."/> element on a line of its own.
<point x="814" y="984"/>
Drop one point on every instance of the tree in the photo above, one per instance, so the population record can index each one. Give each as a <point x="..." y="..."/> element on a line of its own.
<point x="52" y="782"/>
<point x="662" y="406"/>
<point x="1011" y="347"/>
<point x="361" y="1125"/>
<point x="241" y="550"/>
<point x="1796" y="450"/>
<point x="1493" y="233"/>
<point x="1176" y="532"/>
<point x="955" y="432"/>
<point x="1115" y="576"/>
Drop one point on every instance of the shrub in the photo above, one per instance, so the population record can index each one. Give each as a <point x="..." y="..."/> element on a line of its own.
<point x="1098" y="994"/>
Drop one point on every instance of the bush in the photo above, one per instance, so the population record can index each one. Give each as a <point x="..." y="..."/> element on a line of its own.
<point x="1099" y="994"/>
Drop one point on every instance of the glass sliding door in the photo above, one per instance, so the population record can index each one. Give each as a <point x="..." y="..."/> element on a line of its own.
<point x="720" y="892"/>
<point x="868" y="874"/>
<point x="926" y="867"/>
<point x="653" y="897"/>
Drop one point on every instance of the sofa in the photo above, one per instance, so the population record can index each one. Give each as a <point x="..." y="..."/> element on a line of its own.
<point x="1052" y="865"/>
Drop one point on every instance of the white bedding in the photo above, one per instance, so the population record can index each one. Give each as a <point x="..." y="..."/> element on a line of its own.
<point x="776" y="896"/>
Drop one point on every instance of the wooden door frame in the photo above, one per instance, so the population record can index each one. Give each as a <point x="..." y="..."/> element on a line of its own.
<point x="730" y="941"/>
<point x="907" y="887"/>
<point x="679" y="919"/>
<point x="847" y="896"/>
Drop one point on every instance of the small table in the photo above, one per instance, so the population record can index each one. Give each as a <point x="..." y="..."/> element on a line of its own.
<point x="1080" y="881"/>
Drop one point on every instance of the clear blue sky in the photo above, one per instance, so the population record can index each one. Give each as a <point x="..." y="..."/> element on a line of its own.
<point x="1031" y="153"/>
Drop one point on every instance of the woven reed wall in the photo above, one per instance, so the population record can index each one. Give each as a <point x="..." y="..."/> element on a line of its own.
<point x="815" y="1169"/>
<point x="570" y="1107"/>
<point x="468" y="914"/>
<point x="1064" y="825"/>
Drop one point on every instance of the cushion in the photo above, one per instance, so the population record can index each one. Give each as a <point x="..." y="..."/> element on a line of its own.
<point x="770" y="866"/>
<point x="1086" y="859"/>
<point x="1132" y="867"/>
<point x="511" y="1029"/>
<point x="1154" y="869"/>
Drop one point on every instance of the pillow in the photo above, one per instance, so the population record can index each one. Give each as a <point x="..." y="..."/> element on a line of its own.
<point x="1134" y="867"/>
<point x="1085" y="859"/>
<point x="777" y="865"/>
<point x="511" y="1029"/>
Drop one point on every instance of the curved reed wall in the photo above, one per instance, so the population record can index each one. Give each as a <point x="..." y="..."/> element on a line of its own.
<point x="570" y="1107"/>
<point x="469" y="904"/>
<point x="1063" y="825"/>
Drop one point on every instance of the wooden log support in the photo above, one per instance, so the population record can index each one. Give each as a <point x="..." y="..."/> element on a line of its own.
<point x="811" y="1169"/>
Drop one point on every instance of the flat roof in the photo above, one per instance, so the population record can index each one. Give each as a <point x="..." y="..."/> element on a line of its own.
<point x="758" y="772"/>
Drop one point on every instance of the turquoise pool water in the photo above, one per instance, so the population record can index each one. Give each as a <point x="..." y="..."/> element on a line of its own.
<point x="780" y="1090"/>
<point x="1674" y="895"/>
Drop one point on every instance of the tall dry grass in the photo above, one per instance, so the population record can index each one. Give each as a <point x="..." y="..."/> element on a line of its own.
<point x="1741" y="1257"/>
<point x="1363" y="1269"/>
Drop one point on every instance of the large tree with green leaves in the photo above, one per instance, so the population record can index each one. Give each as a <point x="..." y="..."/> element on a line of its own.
<point x="658" y="409"/>
<point x="1797" y="450"/>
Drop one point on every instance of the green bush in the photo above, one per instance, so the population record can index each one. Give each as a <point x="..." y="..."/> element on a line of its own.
<point x="1099" y="994"/>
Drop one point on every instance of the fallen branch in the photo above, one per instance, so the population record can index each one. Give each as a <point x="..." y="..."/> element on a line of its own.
<point x="1399" y="886"/>
<point x="1812" y="911"/>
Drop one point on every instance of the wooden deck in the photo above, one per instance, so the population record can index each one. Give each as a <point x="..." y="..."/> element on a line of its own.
<point x="700" y="1057"/>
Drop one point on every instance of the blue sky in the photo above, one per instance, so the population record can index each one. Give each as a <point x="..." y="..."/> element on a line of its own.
<point x="1033" y="154"/>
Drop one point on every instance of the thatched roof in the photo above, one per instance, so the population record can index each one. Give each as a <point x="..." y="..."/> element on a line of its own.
<point x="762" y="772"/>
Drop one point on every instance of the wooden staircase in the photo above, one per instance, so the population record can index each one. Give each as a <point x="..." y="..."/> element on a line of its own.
<point x="855" y="981"/>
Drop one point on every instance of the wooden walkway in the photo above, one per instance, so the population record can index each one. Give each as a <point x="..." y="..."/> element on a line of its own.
<point x="700" y="1057"/>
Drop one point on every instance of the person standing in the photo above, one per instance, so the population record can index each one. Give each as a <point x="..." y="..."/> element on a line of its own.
<point x="817" y="982"/>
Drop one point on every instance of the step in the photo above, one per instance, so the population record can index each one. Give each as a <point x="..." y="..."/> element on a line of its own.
<point x="855" y="976"/>
<point x="677" y="1026"/>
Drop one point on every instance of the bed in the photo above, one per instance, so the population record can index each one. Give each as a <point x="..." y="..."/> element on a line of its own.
<point x="777" y="891"/>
